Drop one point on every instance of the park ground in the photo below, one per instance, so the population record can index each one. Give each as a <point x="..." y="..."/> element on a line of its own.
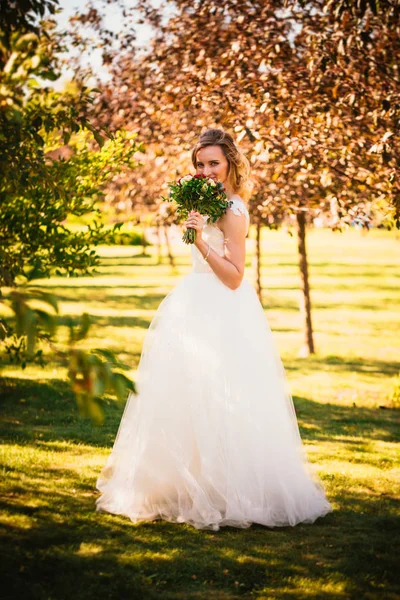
<point x="55" y="546"/>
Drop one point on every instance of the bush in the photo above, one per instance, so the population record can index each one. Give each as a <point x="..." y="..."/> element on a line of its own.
<point x="131" y="238"/>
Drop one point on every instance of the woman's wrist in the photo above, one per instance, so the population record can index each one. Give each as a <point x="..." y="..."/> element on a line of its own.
<point x="201" y="245"/>
<point x="204" y="248"/>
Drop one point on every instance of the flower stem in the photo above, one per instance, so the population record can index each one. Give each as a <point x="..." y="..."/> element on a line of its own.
<point x="189" y="236"/>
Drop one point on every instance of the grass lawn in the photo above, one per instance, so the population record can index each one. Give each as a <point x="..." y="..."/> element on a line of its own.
<point x="55" y="546"/>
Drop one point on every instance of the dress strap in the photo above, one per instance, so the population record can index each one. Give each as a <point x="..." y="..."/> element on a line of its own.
<point x="238" y="207"/>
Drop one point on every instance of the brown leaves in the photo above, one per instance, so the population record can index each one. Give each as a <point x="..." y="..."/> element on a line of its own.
<point x="317" y="98"/>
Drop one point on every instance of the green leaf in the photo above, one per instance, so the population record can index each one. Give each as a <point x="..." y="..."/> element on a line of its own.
<point x="49" y="74"/>
<point x="47" y="320"/>
<point x="121" y="386"/>
<point x="99" y="138"/>
<point x="108" y="354"/>
<point x="49" y="299"/>
<point x="99" y="386"/>
<point x="84" y="327"/>
<point x="94" y="411"/>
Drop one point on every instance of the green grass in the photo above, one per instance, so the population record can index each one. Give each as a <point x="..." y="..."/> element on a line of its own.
<point x="55" y="546"/>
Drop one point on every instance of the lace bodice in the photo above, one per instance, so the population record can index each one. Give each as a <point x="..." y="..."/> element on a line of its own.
<point x="215" y="237"/>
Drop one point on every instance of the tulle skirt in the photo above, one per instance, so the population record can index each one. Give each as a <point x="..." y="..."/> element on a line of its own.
<point x="211" y="438"/>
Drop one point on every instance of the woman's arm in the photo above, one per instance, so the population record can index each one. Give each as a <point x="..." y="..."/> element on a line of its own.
<point x="230" y="267"/>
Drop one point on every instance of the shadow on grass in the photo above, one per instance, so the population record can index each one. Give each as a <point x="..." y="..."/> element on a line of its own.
<point x="115" y="301"/>
<point x="132" y="260"/>
<point x="354" y="269"/>
<point x="323" y="422"/>
<point x="46" y="412"/>
<point x="337" y="363"/>
<point x="356" y="305"/>
<point x="70" y="551"/>
<point x="63" y="549"/>
<point x="108" y="321"/>
<point x="272" y="303"/>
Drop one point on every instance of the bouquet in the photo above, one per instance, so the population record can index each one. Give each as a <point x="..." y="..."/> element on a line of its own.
<point x="199" y="193"/>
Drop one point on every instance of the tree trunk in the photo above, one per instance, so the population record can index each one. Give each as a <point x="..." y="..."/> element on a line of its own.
<point x="170" y="255"/>
<point x="257" y="260"/>
<point x="159" y="245"/>
<point x="144" y="245"/>
<point x="305" y="300"/>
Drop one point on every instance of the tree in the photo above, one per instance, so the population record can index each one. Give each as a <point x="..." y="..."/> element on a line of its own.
<point x="35" y="240"/>
<point x="280" y="75"/>
<point x="39" y="189"/>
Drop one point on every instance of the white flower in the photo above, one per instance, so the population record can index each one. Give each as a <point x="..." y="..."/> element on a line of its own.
<point x="212" y="182"/>
<point x="186" y="178"/>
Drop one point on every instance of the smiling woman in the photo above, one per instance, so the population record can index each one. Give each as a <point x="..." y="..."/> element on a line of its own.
<point x="212" y="437"/>
<point x="216" y="155"/>
<point x="213" y="163"/>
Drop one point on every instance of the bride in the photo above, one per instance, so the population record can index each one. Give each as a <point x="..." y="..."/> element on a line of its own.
<point x="211" y="439"/>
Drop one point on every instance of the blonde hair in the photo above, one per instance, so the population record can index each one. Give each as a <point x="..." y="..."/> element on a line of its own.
<point x="238" y="166"/>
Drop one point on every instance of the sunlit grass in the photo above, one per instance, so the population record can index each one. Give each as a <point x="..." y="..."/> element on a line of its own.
<point x="50" y="458"/>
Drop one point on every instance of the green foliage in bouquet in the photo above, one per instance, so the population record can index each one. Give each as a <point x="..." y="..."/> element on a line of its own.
<point x="199" y="193"/>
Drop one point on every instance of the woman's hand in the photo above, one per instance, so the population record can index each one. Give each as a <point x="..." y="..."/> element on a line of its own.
<point x="195" y="221"/>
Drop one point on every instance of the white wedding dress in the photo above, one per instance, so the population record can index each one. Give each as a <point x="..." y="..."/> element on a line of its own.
<point x="211" y="438"/>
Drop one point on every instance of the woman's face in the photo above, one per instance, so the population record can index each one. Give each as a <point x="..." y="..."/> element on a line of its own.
<point x="212" y="162"/>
